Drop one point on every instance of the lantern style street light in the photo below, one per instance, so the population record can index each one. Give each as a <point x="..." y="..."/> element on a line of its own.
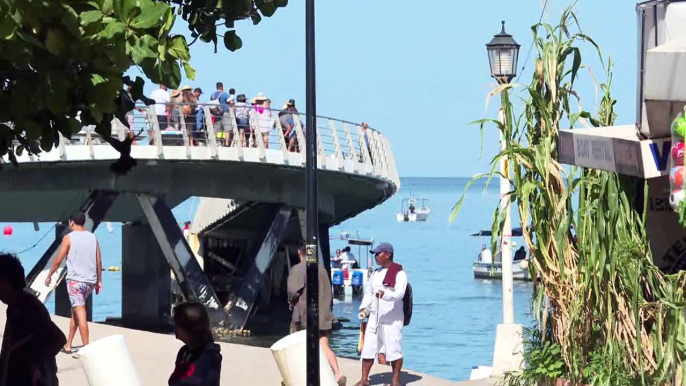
<point x="503" y="53"/>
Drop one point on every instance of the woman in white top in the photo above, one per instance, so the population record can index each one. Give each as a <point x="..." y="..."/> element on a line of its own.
<point x="262" y="116"/>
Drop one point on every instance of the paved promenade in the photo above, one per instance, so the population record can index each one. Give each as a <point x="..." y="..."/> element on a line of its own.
<point x="154" y="355"/>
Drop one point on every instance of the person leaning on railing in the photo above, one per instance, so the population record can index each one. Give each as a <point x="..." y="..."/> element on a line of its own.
<point x="366" y="134"/>
<point x="190" y="106"/>
<point x="243" y="119"/>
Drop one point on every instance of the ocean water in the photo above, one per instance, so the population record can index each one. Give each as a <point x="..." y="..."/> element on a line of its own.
<point x="455" y="316"/>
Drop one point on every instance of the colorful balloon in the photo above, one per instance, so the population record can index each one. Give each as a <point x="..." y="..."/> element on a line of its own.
<point x="678" y="153"/>
<point x="675" y="198"/>
<point x="676" y="177"/>
<point x="679" y="126"/>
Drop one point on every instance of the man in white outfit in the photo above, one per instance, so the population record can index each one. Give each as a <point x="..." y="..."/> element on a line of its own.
<point x="384" y="299"/>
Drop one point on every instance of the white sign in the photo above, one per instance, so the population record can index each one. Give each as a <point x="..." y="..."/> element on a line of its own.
<point x="594" y="152"/>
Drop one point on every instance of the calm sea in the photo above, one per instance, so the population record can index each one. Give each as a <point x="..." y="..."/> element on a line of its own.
<point x="455" y="316"/>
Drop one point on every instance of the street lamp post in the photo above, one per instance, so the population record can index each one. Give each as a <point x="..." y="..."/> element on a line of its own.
<point x="503" y="53"/>
<point x="311" y="208"/>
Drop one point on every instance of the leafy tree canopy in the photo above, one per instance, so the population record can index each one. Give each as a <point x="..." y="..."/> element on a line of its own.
<point x="63" y="60"/>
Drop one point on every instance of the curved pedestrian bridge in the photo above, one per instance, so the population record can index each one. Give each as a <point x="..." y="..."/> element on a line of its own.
<point x="357" y="168"/>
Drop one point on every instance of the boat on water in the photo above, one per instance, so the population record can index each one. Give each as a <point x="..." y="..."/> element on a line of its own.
<point x="414" y="209"/>
<point x="349" y="280"/>
<point x="490" y="267"/>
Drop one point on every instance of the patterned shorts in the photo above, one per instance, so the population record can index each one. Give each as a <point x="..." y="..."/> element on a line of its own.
<point x="79" y="292"/>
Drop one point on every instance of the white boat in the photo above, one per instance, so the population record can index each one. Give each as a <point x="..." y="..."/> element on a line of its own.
<point x="349" y="283"/>
<point x="494" y="271"/>
<point x="493" y="268"/>
<point x="414" y="209"/>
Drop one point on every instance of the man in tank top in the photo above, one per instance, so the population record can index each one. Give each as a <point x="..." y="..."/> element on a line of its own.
<point x="84" y="274"/>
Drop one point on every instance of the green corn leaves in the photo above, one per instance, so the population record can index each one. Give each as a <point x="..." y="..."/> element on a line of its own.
<point x="603" y="308"/>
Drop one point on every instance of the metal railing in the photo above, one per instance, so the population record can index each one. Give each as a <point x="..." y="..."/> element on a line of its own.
<point x="340" y="143"/>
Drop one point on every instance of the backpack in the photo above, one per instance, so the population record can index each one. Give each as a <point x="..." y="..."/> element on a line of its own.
<point x="407" y="305"/>
<point x="215" y="107"/>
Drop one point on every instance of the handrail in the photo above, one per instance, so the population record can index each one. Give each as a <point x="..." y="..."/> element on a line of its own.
<point x="341" y="145"/>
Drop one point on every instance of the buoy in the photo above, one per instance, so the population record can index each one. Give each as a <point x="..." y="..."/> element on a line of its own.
<point x="8" y="230"/>
<point x="114" y="269"/>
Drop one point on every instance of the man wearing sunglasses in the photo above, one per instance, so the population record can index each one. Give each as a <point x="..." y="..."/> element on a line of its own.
<point x="383" y="299"/>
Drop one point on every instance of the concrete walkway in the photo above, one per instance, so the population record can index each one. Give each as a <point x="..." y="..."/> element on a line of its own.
<point x="154" y="355"/>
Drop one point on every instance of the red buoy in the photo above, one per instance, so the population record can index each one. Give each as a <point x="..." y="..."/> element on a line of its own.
<point x="7" y="231"/>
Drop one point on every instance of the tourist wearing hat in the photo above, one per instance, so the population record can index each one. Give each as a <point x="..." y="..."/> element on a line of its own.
<point x="189" y="107"/>
<point x="262" y="116"/>
<point x="176" y="100"/>
<point x="287" y="120"/>
<point x="383" y="299"/>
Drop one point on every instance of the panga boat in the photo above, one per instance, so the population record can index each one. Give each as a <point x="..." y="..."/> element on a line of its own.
<point x="490" y="267"/>
<point x="410" y="212"/>
<point x="348" y="282"/>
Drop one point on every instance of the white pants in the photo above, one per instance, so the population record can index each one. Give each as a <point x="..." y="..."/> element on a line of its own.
<point x="384" y="338"/>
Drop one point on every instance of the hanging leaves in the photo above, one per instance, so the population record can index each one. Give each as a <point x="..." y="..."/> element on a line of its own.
<point x="63" y="59"/>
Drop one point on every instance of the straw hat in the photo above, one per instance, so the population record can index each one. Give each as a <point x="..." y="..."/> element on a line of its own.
<point x="175" y="93"/>
<point x="186" y="88"/>
<point x="260" y="97"/>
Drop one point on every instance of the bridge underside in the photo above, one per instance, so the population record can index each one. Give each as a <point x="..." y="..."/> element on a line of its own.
<point x="48" y="192"/>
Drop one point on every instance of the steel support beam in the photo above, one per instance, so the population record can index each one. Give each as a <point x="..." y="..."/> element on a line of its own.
<point x="190" y="276"/>
<point x="95" y="207"/>
<point x="263" y="249"/>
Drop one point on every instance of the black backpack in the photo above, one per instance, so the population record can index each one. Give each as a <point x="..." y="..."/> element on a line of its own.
<point x="407" y="305"/>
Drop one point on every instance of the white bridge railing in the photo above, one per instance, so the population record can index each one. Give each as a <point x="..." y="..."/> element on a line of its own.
<point x="342" y="145"/>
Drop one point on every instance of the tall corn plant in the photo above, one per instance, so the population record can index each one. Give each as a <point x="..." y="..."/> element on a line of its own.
<point x="599" y="292"/>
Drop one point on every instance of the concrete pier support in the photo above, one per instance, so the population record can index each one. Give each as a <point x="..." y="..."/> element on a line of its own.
<point x="190" y="276"/>
<point x="146" y="280"/>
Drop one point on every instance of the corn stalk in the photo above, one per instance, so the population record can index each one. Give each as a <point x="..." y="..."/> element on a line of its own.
<point x="599" y="293"/>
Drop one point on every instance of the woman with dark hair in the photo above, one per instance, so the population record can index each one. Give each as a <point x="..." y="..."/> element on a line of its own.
<point x="31" y="340"/>
<point x="199" y="361"/>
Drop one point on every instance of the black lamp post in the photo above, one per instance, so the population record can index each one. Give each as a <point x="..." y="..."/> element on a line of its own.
<point x="503" y="53"/>
<point x="311" y="209"/>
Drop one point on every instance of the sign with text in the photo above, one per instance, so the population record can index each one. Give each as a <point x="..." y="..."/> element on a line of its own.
<point x="594" y="152"/>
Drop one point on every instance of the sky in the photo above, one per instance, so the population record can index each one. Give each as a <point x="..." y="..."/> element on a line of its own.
<point x="416" y="71"/>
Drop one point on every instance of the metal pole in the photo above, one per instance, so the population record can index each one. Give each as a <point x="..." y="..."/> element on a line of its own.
<point x="506" y="237"/>
<point x="311" y="210"/>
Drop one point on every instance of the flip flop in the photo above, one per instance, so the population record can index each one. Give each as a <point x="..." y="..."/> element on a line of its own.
<point x="65" y="351"/>
<point x="342" y="381"/>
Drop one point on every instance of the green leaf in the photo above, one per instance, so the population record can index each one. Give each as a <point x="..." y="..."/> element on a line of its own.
<point x="7" y="27"/>
<point x="90" y="17"/>
<point x="267" y="7"/>
<point x="178" y="48"/>
<point x="190" y="71"/>
<point x="232" y="41"/>
<point x="54" y="42"/>
<point x="123" y="9"/>
<point x="114" y="28"/>
<point x="152" y="14"/>
<point x="96" y="79"/>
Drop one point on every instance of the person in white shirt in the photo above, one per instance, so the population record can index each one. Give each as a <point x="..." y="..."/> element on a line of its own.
<point x="162" y="98"/>
<point x="348" y="260"/>
<point x="485" y="256"/>
<point x="383" y="299"/>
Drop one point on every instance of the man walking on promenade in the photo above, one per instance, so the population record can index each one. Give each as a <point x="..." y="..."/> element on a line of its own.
<point x="84" y="274"/>
<point x="297" y="296"/>
<point x="383" y="298"/>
